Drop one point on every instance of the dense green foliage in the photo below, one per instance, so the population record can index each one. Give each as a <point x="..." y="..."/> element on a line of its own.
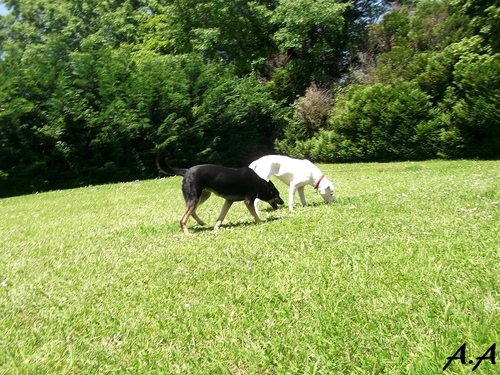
<point x="432" y="92"/>
<point x="90" y="89"/>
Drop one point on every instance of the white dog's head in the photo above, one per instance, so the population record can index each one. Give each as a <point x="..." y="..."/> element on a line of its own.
<point x="326" y="190"/>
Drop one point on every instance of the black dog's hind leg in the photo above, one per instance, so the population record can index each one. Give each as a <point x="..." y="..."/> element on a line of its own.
<point x="197" y="218"/>
<point x="192" y="202"/>
<point x="187" y="212"/>
<point x="204" y="196"/>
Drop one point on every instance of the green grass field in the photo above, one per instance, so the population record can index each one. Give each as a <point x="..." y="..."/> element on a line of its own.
<point x="392" y="278"/>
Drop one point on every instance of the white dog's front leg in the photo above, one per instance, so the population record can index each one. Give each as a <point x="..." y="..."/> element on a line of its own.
<point x="291" y="194"/>
<point x="300" y="189"/>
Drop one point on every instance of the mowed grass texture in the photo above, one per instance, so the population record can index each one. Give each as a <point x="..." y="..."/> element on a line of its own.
<point x="392" y="278"/>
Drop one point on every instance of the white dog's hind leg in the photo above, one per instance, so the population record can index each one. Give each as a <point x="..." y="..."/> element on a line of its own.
<point x="300" y="189"/>
<point x="291" y="194"/>
<point x="256" y="205"/>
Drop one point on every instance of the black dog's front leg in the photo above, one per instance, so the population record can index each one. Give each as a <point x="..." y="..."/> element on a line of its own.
<point x="225" y="209"/>
<point x="251" y="207"/>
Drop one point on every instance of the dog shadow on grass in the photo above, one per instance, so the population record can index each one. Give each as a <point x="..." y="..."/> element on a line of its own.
<point x="230" y="225"/>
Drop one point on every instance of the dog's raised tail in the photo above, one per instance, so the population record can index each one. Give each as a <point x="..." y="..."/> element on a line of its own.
<point x="165" y="168"/>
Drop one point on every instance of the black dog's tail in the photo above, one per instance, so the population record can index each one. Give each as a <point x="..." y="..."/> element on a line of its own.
<point x="165" y="168"/>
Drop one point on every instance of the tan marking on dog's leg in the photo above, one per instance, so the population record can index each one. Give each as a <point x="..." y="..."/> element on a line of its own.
<point x="187" y="212"/>
<point x="251" y="208"/>
<point x="223" y="213"/>
<point x="302" y="196"/>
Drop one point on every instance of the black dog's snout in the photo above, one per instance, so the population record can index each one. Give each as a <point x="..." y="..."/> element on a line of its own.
<point x="274" y="203"/>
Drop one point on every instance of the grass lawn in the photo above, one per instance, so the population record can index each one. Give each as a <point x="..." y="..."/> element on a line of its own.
<point x="392" y="278"/>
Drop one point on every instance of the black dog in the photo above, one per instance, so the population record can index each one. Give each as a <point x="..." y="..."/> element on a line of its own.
<point x="233" y="184"/>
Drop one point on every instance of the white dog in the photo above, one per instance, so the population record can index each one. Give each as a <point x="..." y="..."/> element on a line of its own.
<point x="296" y="173"/>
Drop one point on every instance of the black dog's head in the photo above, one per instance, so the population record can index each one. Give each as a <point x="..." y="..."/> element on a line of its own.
<point x="271" y="195"/>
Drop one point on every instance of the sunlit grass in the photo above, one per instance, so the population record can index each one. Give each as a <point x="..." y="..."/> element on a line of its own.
<point x="392" y="278"/>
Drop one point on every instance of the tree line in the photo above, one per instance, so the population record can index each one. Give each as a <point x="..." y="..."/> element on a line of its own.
<point x="91" y="89"/>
